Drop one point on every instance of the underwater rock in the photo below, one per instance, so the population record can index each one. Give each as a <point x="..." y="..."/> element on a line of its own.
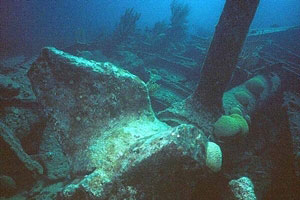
<point x="14" y="146"/>
<point x="85" y="54"/>
<point x="24" y="124"/>
<point x="292" y="105"/>
<point x="242" y="189"/>
<point x="43" y="190"/>
<point x="166" y="87"/>
<point x="18" y="106"/>
<point x="129" y="60"/>
<point x="14" y="160"/>
<point x="172" y="160"/>
<point x="175" y="64"/>
<point x="190" y="112"/>
<point x="5" y="70"/>
<point x="238" y="158"/>
<point x="101" y="121"/>
<point x="95" y="55"/>
<point x="83" y="100"/>
<point x="15" y="87"/>
<point x="8" y="88"/>
<point x="132" y="63"/>
<point x="11" y="64"/>
<point x="7" y="186"/>
<point x="51" y="155"/>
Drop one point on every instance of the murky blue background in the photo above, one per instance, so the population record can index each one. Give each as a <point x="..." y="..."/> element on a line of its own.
<point x="28" y="25"/>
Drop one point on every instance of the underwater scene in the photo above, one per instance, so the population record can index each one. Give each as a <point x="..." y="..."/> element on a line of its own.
<point x="150" y="99"/>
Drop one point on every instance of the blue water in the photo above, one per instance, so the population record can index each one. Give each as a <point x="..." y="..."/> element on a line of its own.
<point x="26" y="26"/>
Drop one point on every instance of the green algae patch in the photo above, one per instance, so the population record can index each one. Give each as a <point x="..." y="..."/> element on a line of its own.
<point x="243" y="97"/>
<point x="231" y="125"/>
<point x="255" y="85"/>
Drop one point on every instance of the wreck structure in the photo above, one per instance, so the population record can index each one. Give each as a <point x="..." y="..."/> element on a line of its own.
<point x="87" y="130"/>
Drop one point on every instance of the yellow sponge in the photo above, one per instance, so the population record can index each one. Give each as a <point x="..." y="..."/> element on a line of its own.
<point x="213" y="157"/>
